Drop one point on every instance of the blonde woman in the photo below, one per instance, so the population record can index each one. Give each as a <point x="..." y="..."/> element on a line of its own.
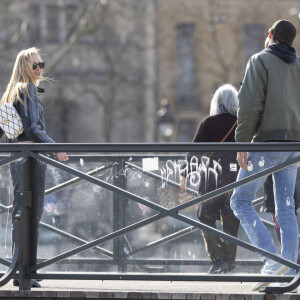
<point x="22" y="92"/>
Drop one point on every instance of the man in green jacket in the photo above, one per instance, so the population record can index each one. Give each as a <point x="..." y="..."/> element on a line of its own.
<point x="269" y="110"/>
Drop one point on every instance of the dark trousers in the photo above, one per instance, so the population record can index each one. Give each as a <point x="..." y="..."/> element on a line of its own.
<point x="38" y="194"/>
<point x="208" y="213"/>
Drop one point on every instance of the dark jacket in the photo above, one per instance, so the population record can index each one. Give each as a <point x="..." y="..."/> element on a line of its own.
<point x="32" y="116"/>
<point x="213" y="129"/>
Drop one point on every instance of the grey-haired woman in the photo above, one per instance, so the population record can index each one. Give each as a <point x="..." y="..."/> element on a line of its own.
<point x="215" y="170"/>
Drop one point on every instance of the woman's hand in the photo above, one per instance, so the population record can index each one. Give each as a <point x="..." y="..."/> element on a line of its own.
<point x="62" y="156"/>
<point x="182" y="183"/>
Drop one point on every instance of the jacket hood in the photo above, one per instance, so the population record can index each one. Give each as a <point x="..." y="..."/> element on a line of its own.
<point x="284" y="52"/>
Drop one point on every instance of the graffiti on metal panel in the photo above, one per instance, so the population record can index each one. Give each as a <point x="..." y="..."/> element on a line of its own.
<point x="197" y="171"/>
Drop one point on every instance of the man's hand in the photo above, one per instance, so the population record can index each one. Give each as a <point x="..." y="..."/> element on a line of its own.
<point x="62" y="156"/>
<point x="242" y="160"/>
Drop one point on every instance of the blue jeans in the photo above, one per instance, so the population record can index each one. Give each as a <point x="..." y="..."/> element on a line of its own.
<point x="284" y="187"/>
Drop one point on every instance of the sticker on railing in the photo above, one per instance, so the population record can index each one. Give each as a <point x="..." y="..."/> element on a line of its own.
<point x="233" y="167"/>
<point x="150" y="164"/>
<point x="81" y="162"/>
<point x="250" y="166"/>
<point x="261" y="163"/>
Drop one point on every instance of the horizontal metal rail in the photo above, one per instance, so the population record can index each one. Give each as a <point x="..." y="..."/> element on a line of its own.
<point x="160" y="262"/>
<point x="76" y="180"/>
<point x="8" y="160"/>
<point x="74" y="238"/>
<point x="166" y="239"/>
<point x="152" y="148"/>
<point x="159" y="277"/>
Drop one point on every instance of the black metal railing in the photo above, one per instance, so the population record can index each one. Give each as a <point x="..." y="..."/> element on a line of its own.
<point x="119" y="157"/>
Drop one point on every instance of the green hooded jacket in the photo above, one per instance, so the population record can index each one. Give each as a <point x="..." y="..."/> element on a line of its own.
<point x="269" y="100"/>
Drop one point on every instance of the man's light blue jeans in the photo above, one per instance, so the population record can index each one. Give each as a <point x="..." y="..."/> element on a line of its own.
<point x="284" y="187"/>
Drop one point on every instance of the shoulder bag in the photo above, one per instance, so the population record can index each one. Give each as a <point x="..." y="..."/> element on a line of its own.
<point x="10" y="121"/>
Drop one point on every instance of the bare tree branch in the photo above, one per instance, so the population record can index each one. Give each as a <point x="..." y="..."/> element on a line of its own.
<point x="85" y="25"/>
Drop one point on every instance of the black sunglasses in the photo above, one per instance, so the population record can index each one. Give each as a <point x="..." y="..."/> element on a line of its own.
<point x="41" y="65"/>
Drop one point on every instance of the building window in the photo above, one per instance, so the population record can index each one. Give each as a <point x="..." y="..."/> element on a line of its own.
<point x="35" y="33"/>
<point x="71" y="15"/>
<point x="53" y="24"/>
<point x="185" y="64"/>
<point x="253" y="40"/>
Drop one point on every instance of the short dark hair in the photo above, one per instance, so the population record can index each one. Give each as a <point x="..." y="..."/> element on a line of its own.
<point x="284" y="32"/>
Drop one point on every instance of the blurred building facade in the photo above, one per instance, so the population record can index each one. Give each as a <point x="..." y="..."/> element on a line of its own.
<point x="101" y="57"/>
<point x="136" y="70"/>
<point x="205" y="43"/>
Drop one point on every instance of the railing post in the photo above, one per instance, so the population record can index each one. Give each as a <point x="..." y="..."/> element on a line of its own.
<point x="26" y="196"/>
<point x="118" y="215"/>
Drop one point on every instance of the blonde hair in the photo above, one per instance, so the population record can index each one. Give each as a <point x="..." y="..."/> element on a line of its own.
<point x="21" y="76"/>
<point x="226" y="98"/>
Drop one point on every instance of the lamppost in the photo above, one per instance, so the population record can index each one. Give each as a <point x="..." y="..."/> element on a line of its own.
<point x="165" y="121"/>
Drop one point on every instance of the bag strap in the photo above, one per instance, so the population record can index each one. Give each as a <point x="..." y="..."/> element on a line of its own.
<point x="225" y="137"/>
<point x="227" y="134"/>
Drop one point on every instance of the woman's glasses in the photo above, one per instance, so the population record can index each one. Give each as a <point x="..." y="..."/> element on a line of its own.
<point x="41" y="65"/>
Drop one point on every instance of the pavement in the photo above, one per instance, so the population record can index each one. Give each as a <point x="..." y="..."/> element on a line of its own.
<point x="126" y="289"/>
